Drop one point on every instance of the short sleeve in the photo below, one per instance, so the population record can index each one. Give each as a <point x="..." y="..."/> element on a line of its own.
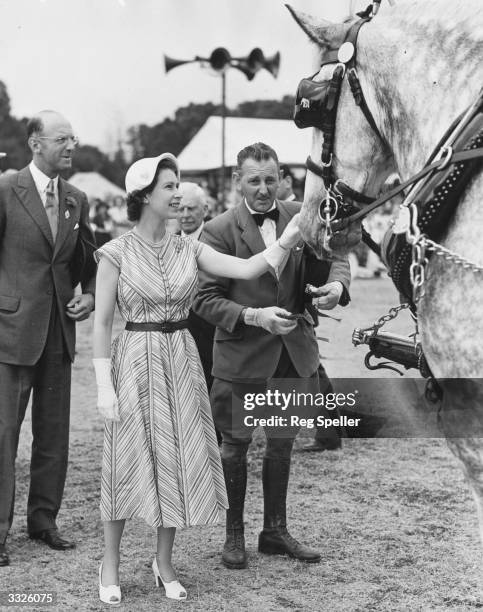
<point x="112" y="250"/>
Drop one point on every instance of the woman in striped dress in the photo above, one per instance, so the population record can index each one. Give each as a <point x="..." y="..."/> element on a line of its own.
<point x="160" y="461"/>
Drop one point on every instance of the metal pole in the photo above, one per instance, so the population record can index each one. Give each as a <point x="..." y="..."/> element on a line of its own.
<point x="221" y="195"/>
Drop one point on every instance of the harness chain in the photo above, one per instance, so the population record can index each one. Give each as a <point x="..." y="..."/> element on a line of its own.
<point x="392" y="314"/>
<point x="441" y="205"/>
<point x="441" y="251"/>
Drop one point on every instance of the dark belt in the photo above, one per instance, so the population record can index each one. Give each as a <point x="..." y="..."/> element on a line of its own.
<point x="167" y="327"/>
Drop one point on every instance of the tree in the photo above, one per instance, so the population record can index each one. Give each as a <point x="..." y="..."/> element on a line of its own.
<point x="4" y="102"/>
<point x="13" y="134"/>
<point x="266" y="109"/>
<point x="88" y="158"/>
<point x="171" y="134"/>
<point x="13" y="142"/>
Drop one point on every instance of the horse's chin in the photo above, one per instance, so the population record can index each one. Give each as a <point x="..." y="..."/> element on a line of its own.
<point x="313" y="233"/>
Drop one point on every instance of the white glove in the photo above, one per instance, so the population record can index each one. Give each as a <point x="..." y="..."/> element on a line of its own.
<point x="106" y="395"/>
<point x="291" y="234"/>
<point x="271" y="319"/>
<point x="277" y="254"/>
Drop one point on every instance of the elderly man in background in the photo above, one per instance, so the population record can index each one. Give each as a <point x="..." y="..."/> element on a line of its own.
<point x="191" y="213"/>
<point x="192" y="210"/>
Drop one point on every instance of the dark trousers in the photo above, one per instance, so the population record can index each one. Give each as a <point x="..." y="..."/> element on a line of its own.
<point x="49" y="379"/>
<point x="235" y="446"/>
<point x="329" y="436"/>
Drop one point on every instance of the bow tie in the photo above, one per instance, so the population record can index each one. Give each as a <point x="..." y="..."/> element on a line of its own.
<point x="259" y="218"/>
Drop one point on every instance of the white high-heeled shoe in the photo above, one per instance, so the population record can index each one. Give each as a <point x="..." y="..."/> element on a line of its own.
<point x="109" y="594"/>
<point x="174" y="589"/>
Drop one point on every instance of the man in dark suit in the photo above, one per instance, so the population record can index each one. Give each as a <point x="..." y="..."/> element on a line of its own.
<point x="253" y="342"/>
<point x="46" y="247"/>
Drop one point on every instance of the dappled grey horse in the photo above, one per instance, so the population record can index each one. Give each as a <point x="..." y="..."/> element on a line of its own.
<point x="419" y="66"/>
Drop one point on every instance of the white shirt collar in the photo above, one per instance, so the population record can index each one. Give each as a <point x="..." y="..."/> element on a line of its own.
<point x="41" y="180"/>
<point x="255" y="212"/>
<point x="194" y="235"/>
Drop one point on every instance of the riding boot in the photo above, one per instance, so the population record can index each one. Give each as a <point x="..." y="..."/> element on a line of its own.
<point x="275" y="539"/>
<point x="234" y="555"/>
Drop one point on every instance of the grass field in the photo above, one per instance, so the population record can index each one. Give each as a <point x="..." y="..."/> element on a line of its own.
<point x="393" y="518"/>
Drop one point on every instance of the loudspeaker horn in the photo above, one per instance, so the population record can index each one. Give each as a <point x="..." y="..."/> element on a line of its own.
<point x="272" y="64"/>
<point x="170" y="63"/>
<point x="248" y="71"/>
<point x="256" y="59"/>
<point x="219" y="59"/>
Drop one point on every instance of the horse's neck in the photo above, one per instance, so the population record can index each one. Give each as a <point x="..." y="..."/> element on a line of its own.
<point x="421" y="71"/>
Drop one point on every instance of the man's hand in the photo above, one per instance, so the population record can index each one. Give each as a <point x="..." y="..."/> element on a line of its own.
<point x="269" y="319"/>
<point x="80" y="307"/>
<point x="327" y="296"/>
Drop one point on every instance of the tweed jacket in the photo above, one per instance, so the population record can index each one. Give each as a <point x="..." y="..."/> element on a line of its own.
<point x="247" y="352"/>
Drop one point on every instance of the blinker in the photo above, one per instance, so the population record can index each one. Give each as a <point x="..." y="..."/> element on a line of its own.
<point x="315" y="100"/>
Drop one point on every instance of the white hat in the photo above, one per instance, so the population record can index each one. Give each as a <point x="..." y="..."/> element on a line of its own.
<point x="141" y="173"/>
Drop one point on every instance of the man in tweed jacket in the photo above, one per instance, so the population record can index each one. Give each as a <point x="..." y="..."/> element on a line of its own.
<point x="253" y="342"/>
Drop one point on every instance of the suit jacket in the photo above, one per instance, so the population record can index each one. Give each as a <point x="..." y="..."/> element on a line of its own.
<point x="243" y="351"/>
<point x="33" y="270"/>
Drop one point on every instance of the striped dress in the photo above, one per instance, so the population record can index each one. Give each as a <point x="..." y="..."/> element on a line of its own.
<point x="161" y="461"/>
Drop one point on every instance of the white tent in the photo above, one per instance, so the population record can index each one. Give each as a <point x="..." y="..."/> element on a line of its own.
<point x="94" y="185"/>
<point x="203" y="152"/>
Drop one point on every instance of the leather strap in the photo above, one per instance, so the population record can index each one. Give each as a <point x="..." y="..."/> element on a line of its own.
<point x="352" y="194"/>
<point x="459" y="156"/>
<point x="166" y="327"/>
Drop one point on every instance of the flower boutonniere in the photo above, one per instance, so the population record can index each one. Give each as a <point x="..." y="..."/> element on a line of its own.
<point x="70" y="201"/>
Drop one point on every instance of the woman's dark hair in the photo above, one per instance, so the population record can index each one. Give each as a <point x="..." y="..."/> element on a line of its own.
<point x="135" y="200"/>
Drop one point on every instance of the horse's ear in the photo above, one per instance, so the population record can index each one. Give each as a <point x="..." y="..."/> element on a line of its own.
<point x="324" y="33"/>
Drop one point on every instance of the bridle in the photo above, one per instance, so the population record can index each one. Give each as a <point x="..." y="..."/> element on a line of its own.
<point x="316" y="106"/>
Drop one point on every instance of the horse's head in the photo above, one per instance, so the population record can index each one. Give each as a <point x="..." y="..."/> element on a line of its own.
<point x="360" y="156"/>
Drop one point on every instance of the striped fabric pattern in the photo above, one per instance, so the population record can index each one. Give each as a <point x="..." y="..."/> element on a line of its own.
<point x="161" y="462"/>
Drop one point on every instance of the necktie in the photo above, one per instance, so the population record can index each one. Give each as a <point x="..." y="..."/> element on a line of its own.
<point x="52" y="208"/>
<point x="259" y="218"/>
